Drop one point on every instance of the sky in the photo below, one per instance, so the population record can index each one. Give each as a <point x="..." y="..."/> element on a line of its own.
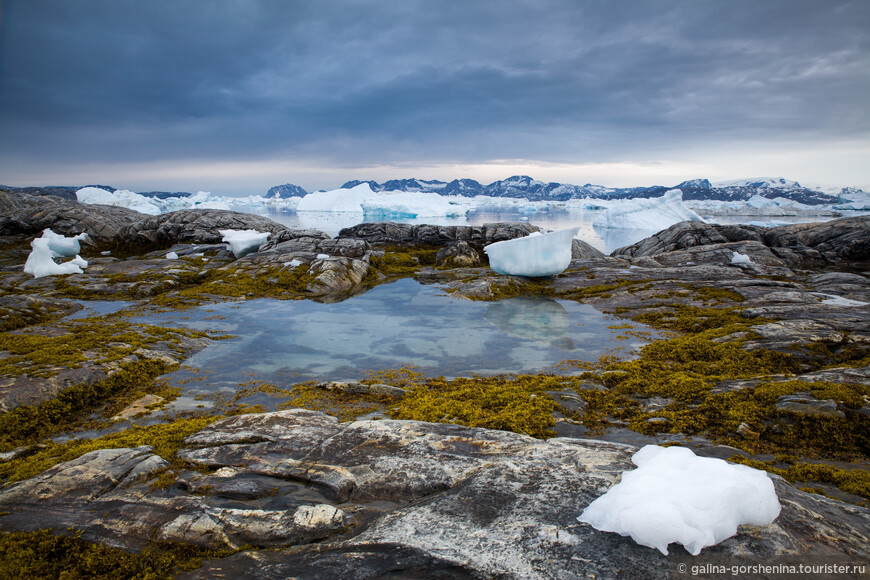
<point x="238" y="95"/>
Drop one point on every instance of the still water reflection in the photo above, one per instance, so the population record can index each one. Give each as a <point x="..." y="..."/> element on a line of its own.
<point x="394" y="325"/>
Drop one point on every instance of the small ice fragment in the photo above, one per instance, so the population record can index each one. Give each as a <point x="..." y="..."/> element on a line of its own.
<point x="171" y="256"/>
<point x="676" y="496"/>
<point x="106" y="253"/>
<point x="739" y="258"/>
<point x="322" y="256"/>
<point x="62" y="245"/>
<point x="294" y="263"/>
<point x="41" y="262"/>
<point x="243" y="242"/>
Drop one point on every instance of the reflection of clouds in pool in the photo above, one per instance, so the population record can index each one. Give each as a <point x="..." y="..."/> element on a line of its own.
<point x="540" y="319"/>
<point x="391" y="326"/>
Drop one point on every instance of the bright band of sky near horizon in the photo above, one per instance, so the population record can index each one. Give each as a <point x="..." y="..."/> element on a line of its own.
<point x="241" y="95"/>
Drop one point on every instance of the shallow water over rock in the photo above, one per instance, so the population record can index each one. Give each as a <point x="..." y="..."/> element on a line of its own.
<point x="404" y="323"/>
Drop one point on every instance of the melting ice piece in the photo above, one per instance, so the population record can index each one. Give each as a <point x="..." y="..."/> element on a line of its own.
<point x="243" y="242"/>
<point x="62" y="245"/>
<point x="534" y="255"/>
<point x="172" y="256"/>
<point x="739" y="258"/>
<point x="655" y="213"/>
<point x="676" y="496"/>
<point x="41" y="262"/>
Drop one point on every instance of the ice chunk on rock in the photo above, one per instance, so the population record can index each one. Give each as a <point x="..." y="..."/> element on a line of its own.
<point x="172" y="256"/>
<point x="534" y="255"/>
<point x="62" y="245"/>
<point x="655" y="213"/>
<point x="739" y="258"/>
<point x="676" y="496"/>
<point x="41" y="262"/>
<point x="243" y="242"/>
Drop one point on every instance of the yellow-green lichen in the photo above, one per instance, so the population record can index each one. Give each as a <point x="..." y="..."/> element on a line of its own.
<point x="46" y="554"/>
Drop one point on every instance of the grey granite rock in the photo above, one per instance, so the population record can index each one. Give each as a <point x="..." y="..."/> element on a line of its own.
<point x="27" y="214"/>
<point x="407" y="234"/>
<point x="457" y="255"/>
<point x="806" y="404"/>
<point x="580" y="250"/>
<point x="197" y="226"/>
<point x="796" y="245"/>
<point x="368" y="499"/>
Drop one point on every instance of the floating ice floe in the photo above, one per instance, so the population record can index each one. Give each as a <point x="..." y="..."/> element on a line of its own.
<point x="41" y="262"/>
<point x="676" y="496"/>
<point x="738" y="258"/>
<point x="534" y="255"/>
<point x="243" y="242"/>
<point x="655" y="213"/>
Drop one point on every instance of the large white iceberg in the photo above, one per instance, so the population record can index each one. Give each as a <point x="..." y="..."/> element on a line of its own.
<point x="40" y="262"/>
<point x="413" y="204"/>
<point x="534" y="255"/>
<point x="243" y="242"/>
<point x="337" y="200"/>
<point x="676" y="496"/>
<point x="655" y="213"/>
<point x="361" y="199"/>
<point x="120" y="198"/>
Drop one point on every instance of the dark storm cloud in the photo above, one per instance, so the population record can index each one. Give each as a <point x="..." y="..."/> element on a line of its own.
<point x="113" y="80"/>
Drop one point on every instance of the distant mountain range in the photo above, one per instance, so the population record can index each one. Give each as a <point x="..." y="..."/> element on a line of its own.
<point x="534" y="190"/>
<point x="523" y="186"/>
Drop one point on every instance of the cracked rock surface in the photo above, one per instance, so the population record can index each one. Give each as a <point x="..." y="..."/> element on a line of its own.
<point x="367" y="499"/>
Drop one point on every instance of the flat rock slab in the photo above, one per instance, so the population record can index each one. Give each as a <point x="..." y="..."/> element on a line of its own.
<point x="369" y="499"/>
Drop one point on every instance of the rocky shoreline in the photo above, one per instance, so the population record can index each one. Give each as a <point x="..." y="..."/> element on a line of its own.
<point x="769" y="364"/>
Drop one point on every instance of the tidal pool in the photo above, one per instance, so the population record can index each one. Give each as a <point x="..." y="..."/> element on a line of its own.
<point x="392" y="325"/>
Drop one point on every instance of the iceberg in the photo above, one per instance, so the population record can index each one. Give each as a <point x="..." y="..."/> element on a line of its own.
<point x="40" y="262"/>
<point x="655" y="213"/>
<point x="362" y="199"/>
<point x="412" y="204"/>
<point x="243" y="242"/>
<point x="676" y="496"/>
<point x="120" y="198"/>
<point x="337" y="200"/>
<point x="534" y="255"/>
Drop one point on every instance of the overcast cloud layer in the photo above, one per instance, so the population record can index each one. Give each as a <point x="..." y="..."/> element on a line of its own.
<point x="234" y="96"/>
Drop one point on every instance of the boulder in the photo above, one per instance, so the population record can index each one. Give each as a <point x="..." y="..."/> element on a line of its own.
<point x="457" y="255"/>
<point x="580" y="250"/>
